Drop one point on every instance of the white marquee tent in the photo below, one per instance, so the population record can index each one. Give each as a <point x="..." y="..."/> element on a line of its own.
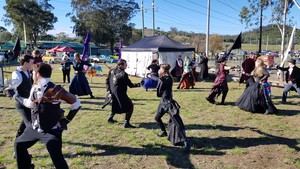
<point x="140" y="54"/>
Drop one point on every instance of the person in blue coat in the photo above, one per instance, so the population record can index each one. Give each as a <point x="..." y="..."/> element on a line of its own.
<point x="79" y="84"/>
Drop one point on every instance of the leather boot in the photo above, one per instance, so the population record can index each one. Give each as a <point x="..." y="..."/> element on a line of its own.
<point x="223" y="99"/>
<point x="110" y="119"/>
<point x="127" y="120"/>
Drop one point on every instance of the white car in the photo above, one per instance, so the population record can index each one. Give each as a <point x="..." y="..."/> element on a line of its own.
<point x="95" y="59"/>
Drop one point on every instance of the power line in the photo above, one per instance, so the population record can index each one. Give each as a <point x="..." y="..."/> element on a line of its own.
<point x="228" y="5"/>
<point x="212" y="10"/>
<point x="198" y="12"/>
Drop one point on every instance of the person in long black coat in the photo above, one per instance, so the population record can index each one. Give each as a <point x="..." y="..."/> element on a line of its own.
<point x="116" y="87"/>
<point x="204" y="68"/>
<point x="168" y="105"/>
<point x="79" y="84"/>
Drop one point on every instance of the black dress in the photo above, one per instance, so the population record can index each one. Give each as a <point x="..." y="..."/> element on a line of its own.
<point x="79" y="84"/>
<point x="177" y="135"/>
<point x="253" y="98"/>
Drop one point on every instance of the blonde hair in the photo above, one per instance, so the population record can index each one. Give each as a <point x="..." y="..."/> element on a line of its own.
<point x="259" y="68"/>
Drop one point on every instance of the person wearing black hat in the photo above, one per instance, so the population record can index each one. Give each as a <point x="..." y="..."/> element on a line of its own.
<point x="220" y="84"/>
<point x="116" y="87"/>
<point x="292" y="77"/>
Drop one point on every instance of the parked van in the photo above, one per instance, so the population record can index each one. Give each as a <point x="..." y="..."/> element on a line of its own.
<point x="268" y="60"/>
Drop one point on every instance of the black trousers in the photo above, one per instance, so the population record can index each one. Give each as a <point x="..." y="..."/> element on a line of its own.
<point x="51" y="139"/>
<point x="159" y="114"/>
<point x="26" y="117"/>
<point x="66" y="73"/>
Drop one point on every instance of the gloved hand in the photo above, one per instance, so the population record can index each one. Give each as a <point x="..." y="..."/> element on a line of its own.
<point x="277" y="66"/>
<point x="63" y="123"/>
<point x="9" y="92"/>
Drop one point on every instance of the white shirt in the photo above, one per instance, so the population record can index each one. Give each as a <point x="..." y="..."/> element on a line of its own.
<point x="16" y="77"/>
<point x="291" y="69"/>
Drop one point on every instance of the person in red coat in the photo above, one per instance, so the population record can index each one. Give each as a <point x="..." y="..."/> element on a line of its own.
<point x="248" y="66"/>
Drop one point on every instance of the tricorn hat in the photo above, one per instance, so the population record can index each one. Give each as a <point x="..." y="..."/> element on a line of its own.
<point x="292" y="61"/>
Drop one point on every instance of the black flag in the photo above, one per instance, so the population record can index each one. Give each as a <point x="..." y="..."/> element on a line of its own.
<point x="17" y="48"/>
<point x="237" y="44"/>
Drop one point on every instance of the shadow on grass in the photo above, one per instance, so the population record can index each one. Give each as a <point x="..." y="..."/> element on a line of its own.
<point x="193" y="90"/>
<point x="287" y="112"/>
<point x="175" y="156"/>
<point x="224" y="143"/>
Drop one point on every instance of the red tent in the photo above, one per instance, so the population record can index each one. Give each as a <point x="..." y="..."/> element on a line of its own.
<point x="65" y="49"/>
<point x="54" y="49"/>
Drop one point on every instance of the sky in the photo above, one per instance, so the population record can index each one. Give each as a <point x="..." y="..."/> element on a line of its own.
<point x="185" y="15"/>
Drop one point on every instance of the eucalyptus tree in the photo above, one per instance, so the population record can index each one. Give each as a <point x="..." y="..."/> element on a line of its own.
<point x="107" y="20"/>
<point x="33" y="15"/>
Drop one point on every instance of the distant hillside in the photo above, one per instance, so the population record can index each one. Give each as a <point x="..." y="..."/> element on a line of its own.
<point x="270" y="34"/>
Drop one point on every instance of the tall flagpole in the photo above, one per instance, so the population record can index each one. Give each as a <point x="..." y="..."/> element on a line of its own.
<point x="207" y="28"/>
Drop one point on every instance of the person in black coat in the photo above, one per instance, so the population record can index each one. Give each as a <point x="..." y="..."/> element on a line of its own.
<point x="203" y="65"/>
<point x="116" y="87"/>
<point x="168" y="105"/>
<point x="66" y="68"/>
<point x="292" y="77"/>
<point x="79" y="84"/>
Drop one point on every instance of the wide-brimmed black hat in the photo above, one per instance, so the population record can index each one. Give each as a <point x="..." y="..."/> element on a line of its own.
<point x="292" y="61"/>
<point x="222" y="59"/>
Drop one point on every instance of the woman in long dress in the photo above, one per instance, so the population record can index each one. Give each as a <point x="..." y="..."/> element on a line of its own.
<point x="79" y="84"/>
<point x="257" y="97"/>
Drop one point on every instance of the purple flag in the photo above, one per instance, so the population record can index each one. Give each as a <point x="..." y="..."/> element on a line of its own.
<point x="120" y="47"/>
<point x="86" y="45"/>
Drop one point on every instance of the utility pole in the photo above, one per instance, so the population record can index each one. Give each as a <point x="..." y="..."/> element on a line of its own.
<point x="207" y="28"/>
<point x="267" y="44"/>
<point x="25" y="34"/>
<point x="143" y="31"/>
<point x="260" y="30"/>
<point x="153" y="33"/>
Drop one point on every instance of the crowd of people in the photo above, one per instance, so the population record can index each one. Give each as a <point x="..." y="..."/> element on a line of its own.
<point x="38" y="99"/>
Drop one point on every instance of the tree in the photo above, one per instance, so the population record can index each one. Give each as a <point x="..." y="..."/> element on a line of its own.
<point x="215" y="44"/>
<point x="62" y="36"/>
<point x="279" y="8"/>
<point x="107" y="20"/>
<point x="35" y="15"/>
<point x="5" y="36"/>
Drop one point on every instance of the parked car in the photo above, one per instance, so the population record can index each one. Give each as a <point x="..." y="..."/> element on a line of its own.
<point x="95" y="59"/>
<point x="2" y="58"/>
<point x="52" y="58"/>
<point x="108" y="59"/>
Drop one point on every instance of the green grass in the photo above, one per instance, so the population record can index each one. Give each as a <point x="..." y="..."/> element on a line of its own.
<point x="221" y="135"/>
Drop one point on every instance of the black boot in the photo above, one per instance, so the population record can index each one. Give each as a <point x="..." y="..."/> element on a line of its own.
<point x="92" y="96"/>
<point x="127" y="120"/>
<point x="223" y="99"/>
<point x="111" y="118"/>
<point x="162" y="134"/>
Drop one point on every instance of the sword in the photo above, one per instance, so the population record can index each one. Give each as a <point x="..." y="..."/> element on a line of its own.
<point x="108" y="99"/>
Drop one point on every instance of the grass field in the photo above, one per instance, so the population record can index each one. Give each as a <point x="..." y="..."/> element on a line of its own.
<point x="222" y="136"/>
